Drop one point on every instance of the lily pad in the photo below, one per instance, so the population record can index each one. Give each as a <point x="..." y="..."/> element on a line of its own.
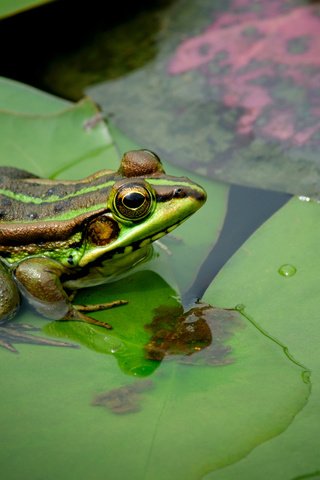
<point x="275" y="277"/>
<point x="51" y="144"/>
<point x="20" y="98"/>
<point x="218" y="412"/>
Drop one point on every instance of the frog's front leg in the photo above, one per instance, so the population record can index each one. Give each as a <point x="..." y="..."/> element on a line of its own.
<point x="39" y="281"/>
<point x="9" y="295"/>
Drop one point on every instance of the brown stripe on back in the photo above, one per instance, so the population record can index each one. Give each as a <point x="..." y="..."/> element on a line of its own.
<point x="14" y="210"/>
<point x="39" y="232"/>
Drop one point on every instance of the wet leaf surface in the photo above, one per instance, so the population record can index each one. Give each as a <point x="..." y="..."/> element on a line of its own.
<point x="182" y="407"/>
<point x="20" y="98"/>
<point x="53" y="144"/>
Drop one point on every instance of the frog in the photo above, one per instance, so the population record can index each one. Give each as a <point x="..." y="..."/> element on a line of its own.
<point x="57" y="236"/>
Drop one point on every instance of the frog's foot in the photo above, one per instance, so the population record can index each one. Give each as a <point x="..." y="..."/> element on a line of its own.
<point x="100" y="306"/>
<point x="76" y="315"/>
<point x="18" y="333"/>
<point x="77" y="312"/>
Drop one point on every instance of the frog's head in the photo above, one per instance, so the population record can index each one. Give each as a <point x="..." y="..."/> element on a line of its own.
<point x="143" y="205"/>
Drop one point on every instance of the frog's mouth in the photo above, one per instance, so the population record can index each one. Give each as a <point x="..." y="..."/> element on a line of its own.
<point x="141" y="244"/>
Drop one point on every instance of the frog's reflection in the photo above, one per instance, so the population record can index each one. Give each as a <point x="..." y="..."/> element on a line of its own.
<point x="196" y="337"/>
<point x="12" y="333"/>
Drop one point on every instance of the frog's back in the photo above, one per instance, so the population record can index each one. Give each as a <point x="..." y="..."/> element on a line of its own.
<point x="27" y="198"/>
<point x="37" y="214"/>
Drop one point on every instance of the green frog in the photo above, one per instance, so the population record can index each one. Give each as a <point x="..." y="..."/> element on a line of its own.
<point x="58" y="236"/>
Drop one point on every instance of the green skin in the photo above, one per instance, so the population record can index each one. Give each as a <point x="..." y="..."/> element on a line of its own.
<point x="69" y="234"/>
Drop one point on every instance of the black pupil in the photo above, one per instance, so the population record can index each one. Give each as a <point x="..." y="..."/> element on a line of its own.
<point x="133" y="200"/>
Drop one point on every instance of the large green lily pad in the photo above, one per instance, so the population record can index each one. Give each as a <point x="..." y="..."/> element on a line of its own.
<point x="49" y="136"/>
<point x="218" y="412"/>
<point x="20" y="98"/>
<point x="287" y="307"/>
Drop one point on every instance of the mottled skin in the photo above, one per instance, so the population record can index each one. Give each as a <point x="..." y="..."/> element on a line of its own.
<point x="55" y="234"/>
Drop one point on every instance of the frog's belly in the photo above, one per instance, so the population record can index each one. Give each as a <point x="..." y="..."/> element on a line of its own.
<point x="109" y="270"/>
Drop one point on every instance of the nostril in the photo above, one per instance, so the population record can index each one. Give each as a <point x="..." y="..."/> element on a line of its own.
<point x="179" y="193"/>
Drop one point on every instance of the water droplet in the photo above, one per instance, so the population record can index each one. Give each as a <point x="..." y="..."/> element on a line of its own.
<point x="287" y="270"/>
<point x="304" y="198"/>
<point x="112" y="344"/>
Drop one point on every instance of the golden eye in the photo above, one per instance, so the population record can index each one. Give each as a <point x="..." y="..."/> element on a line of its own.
<point x="132" y="202"/>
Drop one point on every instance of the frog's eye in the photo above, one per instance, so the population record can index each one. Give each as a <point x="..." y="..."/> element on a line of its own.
<point x="133" y="202"/>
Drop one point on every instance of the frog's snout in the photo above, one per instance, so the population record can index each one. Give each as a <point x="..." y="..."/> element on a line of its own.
<point x="193" y="190"/>
<point x="200" y="195"/>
